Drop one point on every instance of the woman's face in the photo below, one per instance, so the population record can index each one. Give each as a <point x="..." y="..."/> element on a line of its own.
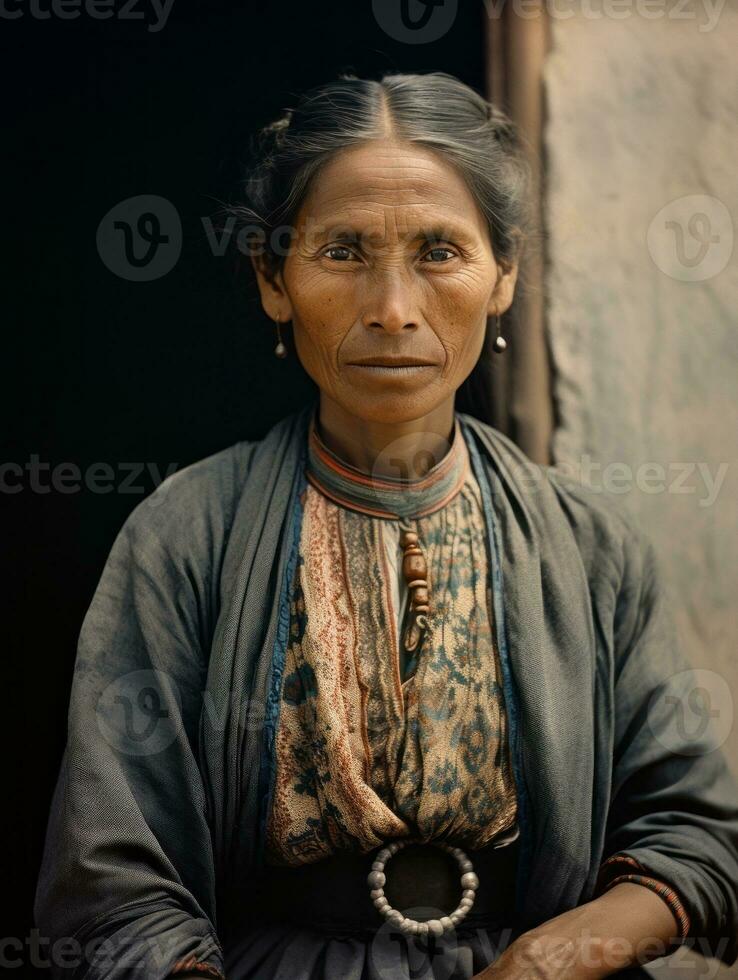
<point x="390" y="261"/>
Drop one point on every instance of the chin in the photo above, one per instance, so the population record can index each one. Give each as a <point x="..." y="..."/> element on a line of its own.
<point x="390" y="408"/>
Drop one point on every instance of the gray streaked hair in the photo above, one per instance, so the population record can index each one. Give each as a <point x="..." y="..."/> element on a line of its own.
<point x="435" y="110"/>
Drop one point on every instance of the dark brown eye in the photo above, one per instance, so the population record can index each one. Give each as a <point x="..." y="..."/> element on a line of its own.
<point x="442" y="254"/>
<point x="346" y="253"/>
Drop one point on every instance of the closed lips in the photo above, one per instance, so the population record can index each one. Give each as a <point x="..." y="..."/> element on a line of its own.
<point x="395" y="363"/>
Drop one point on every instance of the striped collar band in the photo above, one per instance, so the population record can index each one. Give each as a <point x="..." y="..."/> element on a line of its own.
<point x="384" y="496"/>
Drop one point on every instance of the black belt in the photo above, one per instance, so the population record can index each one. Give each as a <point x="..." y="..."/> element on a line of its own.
<point x="422" y="881"/>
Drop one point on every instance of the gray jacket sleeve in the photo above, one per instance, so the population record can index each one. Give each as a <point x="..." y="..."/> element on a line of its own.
<point x="674" y="806"/>
<point x="126" y="887"/>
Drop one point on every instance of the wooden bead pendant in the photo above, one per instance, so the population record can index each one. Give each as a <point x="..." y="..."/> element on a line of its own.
<point x="415" y="573"/>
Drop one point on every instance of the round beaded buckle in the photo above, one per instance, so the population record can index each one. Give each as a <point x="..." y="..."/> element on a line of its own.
<point x="376" y="880"/>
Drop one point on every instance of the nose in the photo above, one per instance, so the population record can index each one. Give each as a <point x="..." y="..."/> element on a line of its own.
<point x="390" y="307"/>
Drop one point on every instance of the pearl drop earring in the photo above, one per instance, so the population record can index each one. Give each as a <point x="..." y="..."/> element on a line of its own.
<point x="280" y="350"/>
<point x="500" y="343"/>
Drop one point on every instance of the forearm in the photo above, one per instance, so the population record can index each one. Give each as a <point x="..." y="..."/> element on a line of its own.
<point x="195" y="974"/>
<point x="628" y="925"/>
<point x="192" y="969"/>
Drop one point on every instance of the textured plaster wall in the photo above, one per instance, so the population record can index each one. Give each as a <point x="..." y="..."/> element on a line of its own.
<point x="641" y="147"/>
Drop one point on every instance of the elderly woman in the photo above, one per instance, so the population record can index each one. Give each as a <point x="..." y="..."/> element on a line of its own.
<point x="374" y="696"/>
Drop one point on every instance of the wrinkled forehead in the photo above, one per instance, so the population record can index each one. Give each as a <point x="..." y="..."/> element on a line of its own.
<point x="390" y="190"/>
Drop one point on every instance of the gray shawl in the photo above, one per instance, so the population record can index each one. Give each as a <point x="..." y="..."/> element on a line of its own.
<point x="159" y="808"/>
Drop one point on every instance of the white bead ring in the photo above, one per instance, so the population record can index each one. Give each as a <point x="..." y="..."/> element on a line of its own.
<point x="436" y="927"/>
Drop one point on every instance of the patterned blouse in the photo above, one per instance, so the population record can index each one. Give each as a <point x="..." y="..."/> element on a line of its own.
<point x="374" y="743"/>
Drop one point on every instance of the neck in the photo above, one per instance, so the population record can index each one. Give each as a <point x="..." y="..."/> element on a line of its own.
<point x="397" y="449"/>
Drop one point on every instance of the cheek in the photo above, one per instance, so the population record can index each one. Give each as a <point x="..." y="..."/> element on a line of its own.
<point x="463" y="345"/>
<point x="462" y="296"/>
<point x="323" y="308"/>
<point x="316" y="351"/>
<point x="315" y="333"/>
<point x="460" y="319"/>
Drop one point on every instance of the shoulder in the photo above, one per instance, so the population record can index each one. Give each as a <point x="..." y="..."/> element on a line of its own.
<point x="611" y="544"/>
<point x="194" y="506"/>
<point x="191" y="514"/>
<point x="605" y="530"/>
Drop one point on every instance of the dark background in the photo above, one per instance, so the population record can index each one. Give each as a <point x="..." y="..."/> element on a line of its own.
<point x="156" y="373"/>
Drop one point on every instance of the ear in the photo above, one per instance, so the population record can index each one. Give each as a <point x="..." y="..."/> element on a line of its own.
<point x="507" y="276"/>
<point x="274" y="299"/>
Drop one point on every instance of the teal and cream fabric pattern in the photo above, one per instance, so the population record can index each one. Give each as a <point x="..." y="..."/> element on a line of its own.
<point x="371" y="747"/>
